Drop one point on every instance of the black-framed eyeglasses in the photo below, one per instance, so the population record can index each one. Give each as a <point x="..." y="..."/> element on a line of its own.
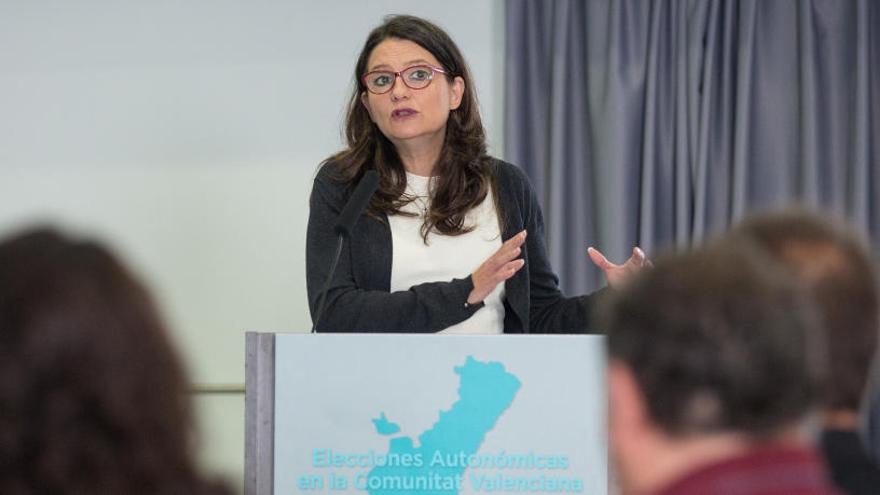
<point x="380" y="82"/>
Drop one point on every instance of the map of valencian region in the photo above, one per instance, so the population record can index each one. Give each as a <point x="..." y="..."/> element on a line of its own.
<point x="436" y="465"/>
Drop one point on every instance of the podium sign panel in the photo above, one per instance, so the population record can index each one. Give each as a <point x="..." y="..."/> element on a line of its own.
<point x="437" y="414"/>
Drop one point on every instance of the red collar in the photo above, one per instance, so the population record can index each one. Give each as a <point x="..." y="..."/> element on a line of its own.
<point x="770" y="470"/>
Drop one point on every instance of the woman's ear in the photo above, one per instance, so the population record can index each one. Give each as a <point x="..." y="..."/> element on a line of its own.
<point x="365" y="101"/>
<point x="456" y="93"/>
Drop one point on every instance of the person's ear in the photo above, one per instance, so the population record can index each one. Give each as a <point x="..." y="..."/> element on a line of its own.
<point x="627" y="410"/>
<point x="456" y="93"/>
<point x="365" y="101"/>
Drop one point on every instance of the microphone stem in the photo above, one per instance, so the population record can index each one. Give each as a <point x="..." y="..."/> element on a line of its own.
<point x="327" y="283"/>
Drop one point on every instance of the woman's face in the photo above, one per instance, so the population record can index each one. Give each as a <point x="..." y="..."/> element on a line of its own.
<point x="411" y="117"/>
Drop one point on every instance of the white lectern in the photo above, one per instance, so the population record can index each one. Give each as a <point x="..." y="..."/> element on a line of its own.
<point x="425" y="414"/>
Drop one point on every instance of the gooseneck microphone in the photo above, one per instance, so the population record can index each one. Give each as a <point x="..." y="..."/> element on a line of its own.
<point x="352" y="210"/>
<point x="357" y="203"/>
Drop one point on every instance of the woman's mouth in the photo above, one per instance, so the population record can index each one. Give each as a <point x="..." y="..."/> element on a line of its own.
<point x="403" y="113"/>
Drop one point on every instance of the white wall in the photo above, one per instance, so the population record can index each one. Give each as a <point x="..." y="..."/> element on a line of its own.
<point x="186" y="134"/>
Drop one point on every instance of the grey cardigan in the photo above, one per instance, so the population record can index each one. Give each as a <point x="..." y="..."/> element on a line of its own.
<point x="358" y="299"/>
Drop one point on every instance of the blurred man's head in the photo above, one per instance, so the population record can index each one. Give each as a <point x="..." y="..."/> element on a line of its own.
<point x="710" y="352"/>
<point x="835" y="268"/>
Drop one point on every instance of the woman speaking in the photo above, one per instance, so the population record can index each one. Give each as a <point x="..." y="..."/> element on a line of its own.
<point x="452" y="239"/>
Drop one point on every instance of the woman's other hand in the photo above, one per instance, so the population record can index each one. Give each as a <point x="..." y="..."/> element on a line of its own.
<point x="618" y="275"/>
<point x="497" y="268"/>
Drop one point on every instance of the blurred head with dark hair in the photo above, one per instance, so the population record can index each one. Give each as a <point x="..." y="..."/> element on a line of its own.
<point x="92" y="395"/>
<point x="835" y="267"/>
<point x="711" y="353"/>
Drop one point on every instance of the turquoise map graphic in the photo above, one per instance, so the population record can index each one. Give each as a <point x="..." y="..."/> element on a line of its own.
<point x="385" y="427"/>
<point x="436" y="466"/>
<point x="450" y="456"/>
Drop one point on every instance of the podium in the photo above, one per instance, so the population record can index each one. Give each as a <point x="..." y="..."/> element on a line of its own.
<point x="425" y="414"/>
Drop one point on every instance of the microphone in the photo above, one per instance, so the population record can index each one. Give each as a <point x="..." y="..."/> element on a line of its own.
<point x="352" y="210"/>
<point x="357" y="203"/>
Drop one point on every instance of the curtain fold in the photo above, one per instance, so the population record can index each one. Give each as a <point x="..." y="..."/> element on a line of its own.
<point x="659" y="123"/>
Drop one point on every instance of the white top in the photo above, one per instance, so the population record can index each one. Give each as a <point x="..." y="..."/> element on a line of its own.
<point x="446" y="257"/>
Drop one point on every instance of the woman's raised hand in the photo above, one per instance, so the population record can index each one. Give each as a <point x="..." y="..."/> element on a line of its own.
<point x="497" y="268"/>
<point x="618" y="275"/>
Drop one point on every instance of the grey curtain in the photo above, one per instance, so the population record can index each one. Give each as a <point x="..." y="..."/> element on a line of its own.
<point x="658" y="123"/>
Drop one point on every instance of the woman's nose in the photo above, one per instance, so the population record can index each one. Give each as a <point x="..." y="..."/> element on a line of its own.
<point x="400" y="90"/>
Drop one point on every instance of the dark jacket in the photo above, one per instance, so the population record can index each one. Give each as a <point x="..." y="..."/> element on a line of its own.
<point x="852" y="470"/>
<point x="359" y="300"/>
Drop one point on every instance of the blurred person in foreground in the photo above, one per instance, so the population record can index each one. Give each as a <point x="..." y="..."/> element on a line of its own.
<point x="92" y="395"/>
<point x="715" y="364"/>
<point x="834" y="266"/>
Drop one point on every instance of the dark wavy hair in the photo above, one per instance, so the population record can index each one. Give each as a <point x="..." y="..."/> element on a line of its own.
<point x="92" y="396"/>
<point x="463" y="168"/>
<point x="834" y="265"/>
<point x="719" y="339"/>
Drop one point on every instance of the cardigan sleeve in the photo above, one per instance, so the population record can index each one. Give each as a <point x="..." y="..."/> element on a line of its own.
<point x="549" y="310"/>
<point x="349" y="305"/>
